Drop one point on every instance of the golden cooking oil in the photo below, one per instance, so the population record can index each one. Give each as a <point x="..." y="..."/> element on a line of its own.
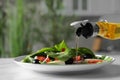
<point x="109" y="30"/>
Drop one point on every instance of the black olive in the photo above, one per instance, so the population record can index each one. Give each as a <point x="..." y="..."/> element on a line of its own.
<point x="87" y="56"/>
<point x="52" y="58"/>
<point x="69" y="61"/>
<point x="36" y="61"/>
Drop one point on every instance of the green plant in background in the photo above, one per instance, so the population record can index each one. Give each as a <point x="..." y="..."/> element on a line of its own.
<point x="19" y="30"/>
<point x="20" y="22"/>
<point x="27" y="24"/>
<point x="2" y="33"/>
<point x="16" y="29"/>
<point x="54" y="26"/>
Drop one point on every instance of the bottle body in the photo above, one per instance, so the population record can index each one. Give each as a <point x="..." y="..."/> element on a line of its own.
<point x="109" y="30"/>
<point x="104" y="29"/>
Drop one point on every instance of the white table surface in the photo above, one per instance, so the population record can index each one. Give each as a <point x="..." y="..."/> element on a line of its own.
<point x="11" y="71"/>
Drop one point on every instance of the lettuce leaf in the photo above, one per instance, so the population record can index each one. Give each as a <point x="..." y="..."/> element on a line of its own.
<point x="85" y="51"/>
<point x="59" y="51"/>
<point x="62" y="46"/>
<point x="28" y="59"/>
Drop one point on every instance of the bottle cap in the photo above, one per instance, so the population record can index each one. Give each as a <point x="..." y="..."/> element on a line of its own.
<point x="84" y="28"/>
<point x="87" y="30"/>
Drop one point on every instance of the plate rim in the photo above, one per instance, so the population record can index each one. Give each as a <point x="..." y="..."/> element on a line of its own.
<point x="16" y="61"/>
<point x="60" y="68"/>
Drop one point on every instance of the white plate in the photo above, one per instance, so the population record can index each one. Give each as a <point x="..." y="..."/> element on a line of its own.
<point x="60" y="68"/>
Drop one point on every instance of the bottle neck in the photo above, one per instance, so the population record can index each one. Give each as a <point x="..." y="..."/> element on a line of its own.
<point x="95" y="29"/>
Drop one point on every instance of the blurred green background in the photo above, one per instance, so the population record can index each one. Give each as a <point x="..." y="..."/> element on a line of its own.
<point x="23" y="23"/>
<point x="29" y="25"/>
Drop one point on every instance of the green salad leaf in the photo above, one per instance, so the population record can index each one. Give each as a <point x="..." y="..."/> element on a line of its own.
<point x="52" y="54"/>
<point x="106" y="58"/>
<point x="81" y="51"/>
<point x="64" y="56"/>
<point x="43" y="51"/>
<point x="62" y="46"/>
<point x="102" y="57"/>
<point x="28" y="59"/>
<point x="85" y="51"/>
<point x="60" y="51"/>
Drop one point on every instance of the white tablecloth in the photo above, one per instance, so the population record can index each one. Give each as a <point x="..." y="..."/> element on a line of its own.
<point x="11" y="71"/>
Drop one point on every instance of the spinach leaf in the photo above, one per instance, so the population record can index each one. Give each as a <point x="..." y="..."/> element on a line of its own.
<point x="85" y="51"/>
<point x="42" y="51"/>
<point x="62" y="46"/>
<point x="106" y="58"/>
<point x="52" y="54"/>
<point x="28" y="59"/>
<point x="63" y="56"/>
<point x="49" y="49"/>
<point x="60" y="51"/>
<point x="72" y="52"/>
<point x="102" y="57"/>
<point x="81" y="51"/>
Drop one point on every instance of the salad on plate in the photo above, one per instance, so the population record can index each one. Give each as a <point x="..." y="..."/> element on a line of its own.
<point x="61" y="54"/>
